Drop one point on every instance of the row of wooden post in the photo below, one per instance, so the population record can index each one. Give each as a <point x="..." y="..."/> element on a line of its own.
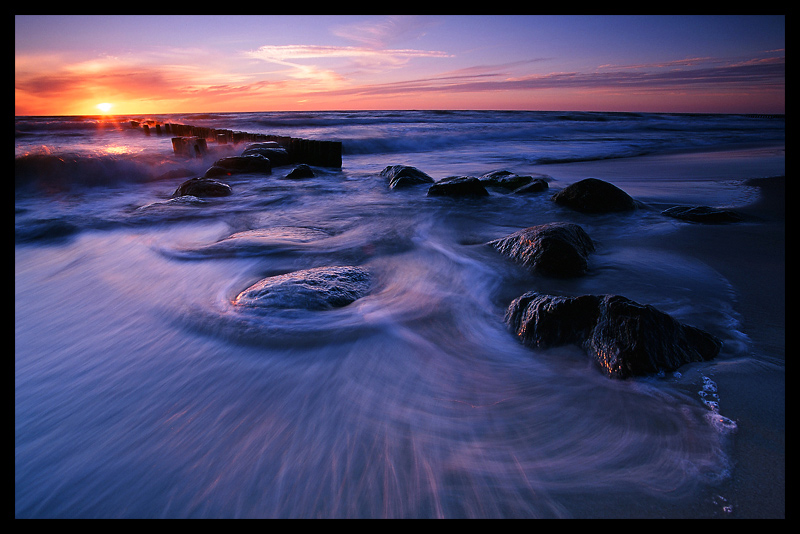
<point x="193" y="141"/>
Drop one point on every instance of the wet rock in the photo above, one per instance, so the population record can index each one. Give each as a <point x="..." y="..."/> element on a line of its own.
<point x="504" y="180"/>
<point x="555" y="249"/>
<point x="319" y="288"/>
<point x="252" y="163"/>
<point x="703" y="214"/>
<point x="458" y="186"/>
<point x="275" y="153"/>
<point x="537" y="185"/>
<point x="404" y="176"/>
<point x="623" y="337"/>
<point x="203" y="187"/>
<point x="594" y="196"/>
<point x="301" y="171"/>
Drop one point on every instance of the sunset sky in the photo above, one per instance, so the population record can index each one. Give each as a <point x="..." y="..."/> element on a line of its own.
<point x="68" y="65"/>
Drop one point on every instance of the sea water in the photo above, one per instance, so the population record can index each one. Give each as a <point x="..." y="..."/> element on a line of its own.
<point x="142" y="391"/>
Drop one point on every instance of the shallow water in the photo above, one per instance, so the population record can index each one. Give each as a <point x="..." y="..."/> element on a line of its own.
<point x="142" y="391"/>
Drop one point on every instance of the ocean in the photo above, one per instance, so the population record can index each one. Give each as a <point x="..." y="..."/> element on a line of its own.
<point x="141" y="391"/>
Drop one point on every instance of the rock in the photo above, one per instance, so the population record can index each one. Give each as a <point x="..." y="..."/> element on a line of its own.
<point x="624" y="338"/>
<point x="458" y="186"/>
<point x="504" y="180"/>
<point x="301" y="171"/>
<point x="275" y="153"/>
<point x="319" y="288"/>
<point x="240" y="164"/>
<point x="594" y="196"/>
<point x="404" y="176"/>
<point x="553" y="249"/>
<point x="703" y="214"/>
<point x="203" y="187"/>
<point x="537" y="185"/>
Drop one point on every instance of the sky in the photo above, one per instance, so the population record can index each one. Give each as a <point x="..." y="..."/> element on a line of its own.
<point x="68" y="65"/>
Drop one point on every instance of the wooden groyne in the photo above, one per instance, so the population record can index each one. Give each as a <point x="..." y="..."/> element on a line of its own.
<point x="191" y="140"/>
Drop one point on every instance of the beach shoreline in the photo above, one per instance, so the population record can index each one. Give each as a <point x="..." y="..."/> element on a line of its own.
<point x="751" y="256"/>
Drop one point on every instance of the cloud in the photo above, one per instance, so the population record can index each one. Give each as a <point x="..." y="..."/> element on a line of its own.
<point x="283" y="53"/>
<point x="385" y="32"/>
<point x="758" y="74"/>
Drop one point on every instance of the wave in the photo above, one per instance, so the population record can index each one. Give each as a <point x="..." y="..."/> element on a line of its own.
<point x="51" y="172"/>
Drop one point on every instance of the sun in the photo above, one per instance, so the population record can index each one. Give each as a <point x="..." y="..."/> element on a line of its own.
<point x="105" y="107"/>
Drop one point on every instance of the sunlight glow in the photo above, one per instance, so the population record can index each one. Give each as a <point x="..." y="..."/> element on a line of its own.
<point x="105" y="107"/>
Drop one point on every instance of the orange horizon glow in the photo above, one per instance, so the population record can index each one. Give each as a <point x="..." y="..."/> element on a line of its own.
<point x="367" y="66"/>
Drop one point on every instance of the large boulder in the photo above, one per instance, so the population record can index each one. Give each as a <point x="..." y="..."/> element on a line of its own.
<point x="623" y="337"/>
<point x="319" y="288"/>
<point x="203" y="187"/>
<point x="458" y="186"/>
<point x="554" y="249"/>
<point x="703" y="214"/>
<point x="404" y="176"/>
<point x="252" y="163"/>
<point x="594" y="196"/>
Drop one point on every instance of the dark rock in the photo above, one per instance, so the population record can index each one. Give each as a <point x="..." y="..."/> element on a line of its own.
<point x="319" y="288"/>
<point x="504" y="180"/>
<point x="554" y="249"/>
<point x="240" y="164"/>
<point x="301" y="171"/>
<point x="405" y="176"/>
<point x="624" y="338"/>
<point x="537" y="185"/>
<point x="703" y="214"/>
<point x="594" y="196"/>
<point x="458" y="186"/>
<point x="203" y="187"/>
<point x="275" y="153"/>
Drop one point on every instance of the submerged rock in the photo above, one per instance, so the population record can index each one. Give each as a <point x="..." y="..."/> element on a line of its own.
<point x="252" y="163"/>
<point x="301" y="171"/>
<point x="319" y="288"/>
<point x="203" y="187"/>
<point x="594" y="196"/>
<point x="623" y="337"/>
<point x="554" y="249"/>
<point x="458" y="186"/>
<point x="703" y="214"/>
<point x="404" y="176"/>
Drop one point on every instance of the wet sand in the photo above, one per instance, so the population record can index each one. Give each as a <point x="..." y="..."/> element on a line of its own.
<point x="751" y="255"/>
<point x="753" y="393"/>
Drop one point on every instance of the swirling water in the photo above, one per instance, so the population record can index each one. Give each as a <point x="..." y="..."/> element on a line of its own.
<point x="141" y="391"/>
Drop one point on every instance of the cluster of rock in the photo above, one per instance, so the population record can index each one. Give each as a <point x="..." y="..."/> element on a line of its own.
<point x="401" y="176"/>
<point x="257" y="158"/>
<point x="624" y="337"/>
